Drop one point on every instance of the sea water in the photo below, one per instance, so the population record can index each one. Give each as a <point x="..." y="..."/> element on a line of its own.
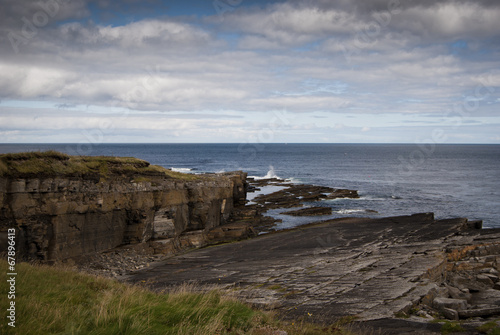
<point x="450" y="180"/>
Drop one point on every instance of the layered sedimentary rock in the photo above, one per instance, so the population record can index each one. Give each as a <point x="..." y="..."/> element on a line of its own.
<point x="368" y="269"/>
<point x="59" y="216"/>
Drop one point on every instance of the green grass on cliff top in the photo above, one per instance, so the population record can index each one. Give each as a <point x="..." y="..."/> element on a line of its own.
<point x="52" y="300"/>
<point x="51" y="163"/>
<point x="59" y="301"/>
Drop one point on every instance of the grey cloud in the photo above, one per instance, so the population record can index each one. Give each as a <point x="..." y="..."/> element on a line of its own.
<point x="368" y="7"/>
<point x="450" y="20"/>
<point x="24" y="21"/>
<point x="13" y="11"/>
<point x="298" y="22"/>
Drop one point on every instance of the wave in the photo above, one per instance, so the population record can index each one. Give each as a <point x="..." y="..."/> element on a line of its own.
<point x="366" y="197"/>
<point x="270" y="174"/>
<point x="352" y="211"/>
<point x="294" y="180"/>
<point x="343" y="199"/>
<point x="183" y="170"/>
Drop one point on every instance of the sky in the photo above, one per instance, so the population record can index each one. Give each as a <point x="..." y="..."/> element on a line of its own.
<point x="250" y="71"/>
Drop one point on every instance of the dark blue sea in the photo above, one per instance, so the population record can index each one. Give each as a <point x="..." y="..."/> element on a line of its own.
<point x="393" y="179"/>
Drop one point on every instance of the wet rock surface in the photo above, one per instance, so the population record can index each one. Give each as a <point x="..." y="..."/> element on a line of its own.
<point x="287" y="196"/>
<point x="294" y="195"/>
<point x="310" y="211"/>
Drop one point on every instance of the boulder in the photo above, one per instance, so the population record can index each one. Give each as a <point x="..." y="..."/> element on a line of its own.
<point x="479" y="312"/>
<point x="450" y="314"/>
<point x="456" y="293"/>
<point x="485" y="279"/>
<point x="455" y="304"/>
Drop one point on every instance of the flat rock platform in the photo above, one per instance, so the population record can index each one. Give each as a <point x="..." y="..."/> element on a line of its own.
<point x="372" y="269"/>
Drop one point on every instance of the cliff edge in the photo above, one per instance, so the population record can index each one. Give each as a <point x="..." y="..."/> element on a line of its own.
<point x="69" y="206"/>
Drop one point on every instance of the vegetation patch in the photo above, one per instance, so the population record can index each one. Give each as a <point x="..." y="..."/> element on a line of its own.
<point x="56" y="301"/>
<point x="52" y="300"/>
<point x="489" y="328"/>
<point x="451" y="327"/>
<point x="53" y="163"/>
<point x="277" y="287"/>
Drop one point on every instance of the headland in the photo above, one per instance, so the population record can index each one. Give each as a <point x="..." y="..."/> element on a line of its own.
<point x="123" y="218"/>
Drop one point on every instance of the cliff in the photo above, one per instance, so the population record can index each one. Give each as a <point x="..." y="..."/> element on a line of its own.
<point x="66" y="206"/>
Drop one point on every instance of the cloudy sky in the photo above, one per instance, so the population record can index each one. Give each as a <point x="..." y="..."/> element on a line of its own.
<point x="250" y="71"/>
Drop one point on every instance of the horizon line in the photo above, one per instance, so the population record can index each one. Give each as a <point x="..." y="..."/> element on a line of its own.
<point x="242" y="143"/>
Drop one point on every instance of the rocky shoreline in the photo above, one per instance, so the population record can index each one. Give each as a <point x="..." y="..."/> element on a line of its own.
<point x="402" y="275"/>
<point x="126" y="219"/>
<point x="244" y="222"/>
<point x="412" y="273"/>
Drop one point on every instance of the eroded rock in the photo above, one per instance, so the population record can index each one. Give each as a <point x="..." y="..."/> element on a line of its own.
<point x="61" y="217"/>
<point x="455" y="304"/>
<point x="310" y="211"/>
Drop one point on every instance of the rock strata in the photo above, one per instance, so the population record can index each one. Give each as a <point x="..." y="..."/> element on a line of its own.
<point x="243" y="222"/>
<point x="370" y="269"/>
<point x="80" y="206"/>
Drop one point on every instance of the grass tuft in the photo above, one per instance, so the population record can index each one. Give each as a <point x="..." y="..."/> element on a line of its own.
<point x="489" y="328"/>
<point x="451" y="327"/>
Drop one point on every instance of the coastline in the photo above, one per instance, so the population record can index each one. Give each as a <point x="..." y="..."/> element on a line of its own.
<point x="409" y="270"/>
<point x="412" y="269"/>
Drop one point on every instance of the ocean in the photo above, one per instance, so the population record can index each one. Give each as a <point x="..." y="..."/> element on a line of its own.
<point x="451" y="180"/>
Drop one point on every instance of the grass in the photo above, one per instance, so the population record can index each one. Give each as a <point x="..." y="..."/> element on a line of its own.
<point x="451" y="327"/>
<point x="277" y="287"/>
<point x="55" y="301"/>
<point x="53" y="163"/>
<point x="490" y="328"/>
<point x="51" y="300"/>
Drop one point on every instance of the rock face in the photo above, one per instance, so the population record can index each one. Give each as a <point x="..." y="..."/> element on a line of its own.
<point x="60" y="217"/>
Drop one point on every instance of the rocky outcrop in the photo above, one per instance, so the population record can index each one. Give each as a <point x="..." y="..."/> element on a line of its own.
<point x="470" y="288"/>
<point x="247" y="219"/>
<point x="377" y="271"/>
<point x="60" y="216"/>
<point x="310" y="211"/>
<point x="294" y="195"/>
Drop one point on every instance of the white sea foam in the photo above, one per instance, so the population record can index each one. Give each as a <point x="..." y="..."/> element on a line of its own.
<point x="183" y="170"/>
<point x="294" y="180"/>
<point x="350" y="211"/>
<point x="343" y="199"/>
<point x="270" y="174"/>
